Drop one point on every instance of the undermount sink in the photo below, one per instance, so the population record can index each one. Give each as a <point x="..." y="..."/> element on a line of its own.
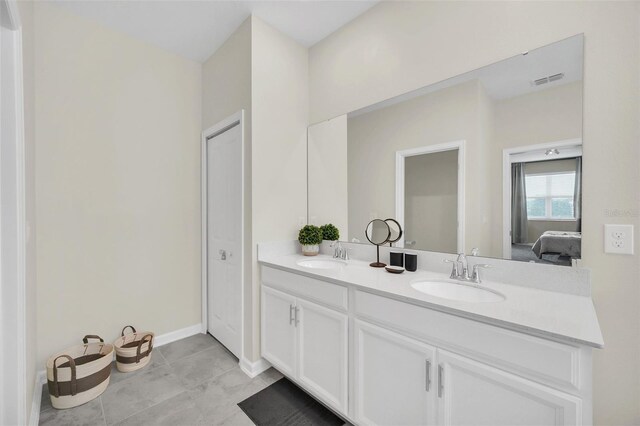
<point x="322" y="263"/>
<point x="458" y="291"/>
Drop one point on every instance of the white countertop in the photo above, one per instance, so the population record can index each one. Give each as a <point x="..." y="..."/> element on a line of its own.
<point x="539" y="312"/>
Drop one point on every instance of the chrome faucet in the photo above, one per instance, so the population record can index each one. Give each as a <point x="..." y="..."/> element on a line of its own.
<point x="460" y="269"/>
<point x="339" y="252"/>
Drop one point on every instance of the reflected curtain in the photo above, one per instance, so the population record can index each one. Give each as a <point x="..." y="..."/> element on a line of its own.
<point x="519" y="224"/>
<point x="577" y="195"/>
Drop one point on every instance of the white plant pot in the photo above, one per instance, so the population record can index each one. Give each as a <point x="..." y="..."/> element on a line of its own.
<point x="310" y="250"/>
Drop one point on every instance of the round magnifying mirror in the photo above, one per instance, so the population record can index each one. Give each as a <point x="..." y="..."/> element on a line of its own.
<point x="395" y="231"/>
<point x="378" y="232"/>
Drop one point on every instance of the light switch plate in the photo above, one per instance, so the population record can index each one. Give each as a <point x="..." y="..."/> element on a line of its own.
<point x="618" y="239"/>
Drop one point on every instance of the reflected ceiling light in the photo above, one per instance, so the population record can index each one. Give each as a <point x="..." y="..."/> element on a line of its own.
<point x="553" y="151"/>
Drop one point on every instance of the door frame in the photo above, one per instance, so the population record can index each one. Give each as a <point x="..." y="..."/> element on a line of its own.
<point x="13" y="290"/>
<point x="236" y="119"/>
<point x="526" y="154"/>
<point x="430" y="149"/>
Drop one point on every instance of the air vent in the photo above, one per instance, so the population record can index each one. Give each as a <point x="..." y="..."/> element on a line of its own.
<point x="548" y="79"/>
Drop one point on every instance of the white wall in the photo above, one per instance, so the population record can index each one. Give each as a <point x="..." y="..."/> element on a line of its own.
<point x="226" y="89"/>
<point x="398" y="47"/>
<point x="243" y="74"/>
<point x="328" y="174"/>
<point x="117" y="128"/>
<point x="280" y="105"/>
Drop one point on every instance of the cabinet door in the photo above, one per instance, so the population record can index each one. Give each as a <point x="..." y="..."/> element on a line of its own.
<point x="323" y="353"/>
<point x="278" y="331"/>
<point x="473" y="393"/>
<point x="394" y="378"/>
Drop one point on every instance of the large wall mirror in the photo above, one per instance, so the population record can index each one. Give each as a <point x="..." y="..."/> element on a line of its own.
<point x="489" y="160"/>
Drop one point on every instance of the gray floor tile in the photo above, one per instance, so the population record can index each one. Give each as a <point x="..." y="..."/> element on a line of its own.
<point x="203" y="366"/>
<point x="128" y="397"/>
<point x="179" y="410"/>
<point x="270" y="376"/>
<point x="45" y="402"/>
<point x="89" y="414"/>
<point x="188" y="347"/>
<point x="239" y="418"/>
<point x="217" y="399"/>
<point x="157" y="360"/>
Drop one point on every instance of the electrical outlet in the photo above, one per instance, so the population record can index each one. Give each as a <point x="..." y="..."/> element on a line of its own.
<point x="618" y="239"/>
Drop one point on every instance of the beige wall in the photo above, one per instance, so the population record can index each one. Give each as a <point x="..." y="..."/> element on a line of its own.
<point x="117" y="127"/>
<point x="398" y="47"/>
<point x="26" y="17"/>
<point x="226" y="89"/>
<point x="243" y="74"/>
<point x="431" y="201"/>
<point x="280" y="105"/>
<point x="453" y="114"/>
<point x="328" y="174"/>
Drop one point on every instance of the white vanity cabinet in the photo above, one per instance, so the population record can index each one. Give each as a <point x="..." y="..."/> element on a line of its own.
<point x="278" y="330"/>
<point x="308" y="342"/>
<point x="394" y="378"/>
<point x="380" y="360"/>
<point x="475" y="393"/>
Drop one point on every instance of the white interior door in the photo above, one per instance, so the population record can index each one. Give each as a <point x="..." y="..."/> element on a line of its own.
<point x="224" y="238"/>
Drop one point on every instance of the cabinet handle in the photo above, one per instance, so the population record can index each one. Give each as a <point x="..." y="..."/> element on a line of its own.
<point x="440" y="380"/>
<point x="428" y="376"/>
<point x="290" y="314"/>
<point x="297" y="320"/>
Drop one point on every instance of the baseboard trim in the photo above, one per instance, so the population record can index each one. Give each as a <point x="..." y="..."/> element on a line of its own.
<point x="172" y="336"/>
<point x="159" y="340"/>
<point x="36" y="402"/>
<point x="252" y="369"/>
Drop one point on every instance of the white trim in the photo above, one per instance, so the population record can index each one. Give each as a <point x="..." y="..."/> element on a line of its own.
<point x="527" y="153"/>
<point x="238" y="117"/>
<point x="430" y="149"/>
<point x="15" y="292"/>
<point x="173" y="336"/>
<point x="36" y="401"/>
<point x="252" y="369"/>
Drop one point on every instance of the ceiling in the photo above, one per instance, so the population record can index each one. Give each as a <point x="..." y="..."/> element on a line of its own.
<point x="196" y="29"/>
<point x="513" y="76"/>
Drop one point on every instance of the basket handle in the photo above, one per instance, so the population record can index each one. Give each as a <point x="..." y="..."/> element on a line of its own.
<point x="86" y="338"/>
<point x="127" y="326"/>
<point x="146" y="337"/>
<point x="56" y="385"/>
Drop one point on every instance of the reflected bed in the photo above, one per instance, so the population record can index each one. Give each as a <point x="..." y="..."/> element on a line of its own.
<point x="559" y="242"/>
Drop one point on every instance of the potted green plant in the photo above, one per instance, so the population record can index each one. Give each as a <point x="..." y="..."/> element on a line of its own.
<point x="330" y="232"/>
<point x="310" y="237"/>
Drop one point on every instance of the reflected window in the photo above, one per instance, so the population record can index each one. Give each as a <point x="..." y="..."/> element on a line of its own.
<point x="550" y="196"/>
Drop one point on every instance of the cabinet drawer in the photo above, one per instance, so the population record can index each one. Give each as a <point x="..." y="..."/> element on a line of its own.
<point x="333" y="295"/>
<point x="538" y="358"/>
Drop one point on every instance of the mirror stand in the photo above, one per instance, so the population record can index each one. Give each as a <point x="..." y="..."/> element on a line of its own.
<point x="377" y="263"/>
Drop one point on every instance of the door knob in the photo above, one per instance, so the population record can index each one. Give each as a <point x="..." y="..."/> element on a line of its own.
<point x="223" y="255"/>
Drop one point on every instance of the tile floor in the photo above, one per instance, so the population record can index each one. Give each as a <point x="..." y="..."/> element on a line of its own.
<point x="194" y="381"/>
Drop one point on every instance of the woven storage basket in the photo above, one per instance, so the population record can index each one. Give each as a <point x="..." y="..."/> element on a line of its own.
<point x="133" y="350"/>
<point x="80" y="373"/>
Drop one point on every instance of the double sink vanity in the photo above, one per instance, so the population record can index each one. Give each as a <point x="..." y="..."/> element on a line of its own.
<point x="420" y="348"/>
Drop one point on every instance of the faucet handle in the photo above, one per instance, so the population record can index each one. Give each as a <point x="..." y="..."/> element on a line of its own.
<point x="475" y="276"/>
<point x="454" y="271"/>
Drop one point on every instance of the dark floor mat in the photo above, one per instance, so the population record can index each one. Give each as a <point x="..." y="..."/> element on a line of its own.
<point x="285" y="404"/>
